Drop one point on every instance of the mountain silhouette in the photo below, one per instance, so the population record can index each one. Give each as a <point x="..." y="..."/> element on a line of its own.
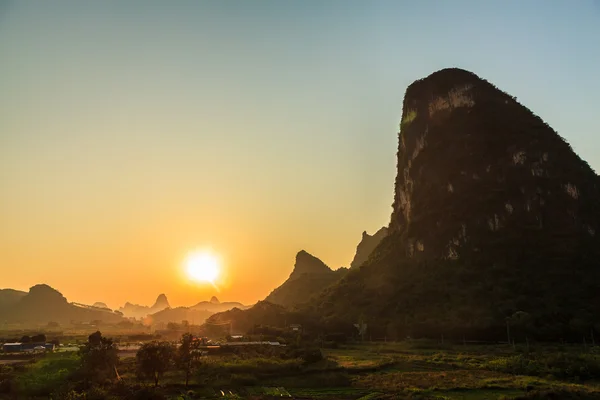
<point x="493" y="214"/>
<point x="366" y="246"/>
<point x="8" y="297"/>
<point x="309" y="277"/>
<point x="138" y="311"/>
<point x="43" y="304"/>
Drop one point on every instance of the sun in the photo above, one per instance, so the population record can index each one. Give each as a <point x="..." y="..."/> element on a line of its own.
<point x="202" y="266"/>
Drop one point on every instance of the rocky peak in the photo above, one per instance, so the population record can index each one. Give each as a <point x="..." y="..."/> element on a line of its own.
<point x="45" y="293"/>
<point x="214" y="300"/>
<point x="366" y="246"/>
<point x="306" y="263"/>
<point x="161" y="302"/>
<point x="479" y="174"/>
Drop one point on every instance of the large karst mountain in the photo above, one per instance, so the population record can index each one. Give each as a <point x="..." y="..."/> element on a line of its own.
<point x="309" y="277"/>
<point x="494" y="215"/>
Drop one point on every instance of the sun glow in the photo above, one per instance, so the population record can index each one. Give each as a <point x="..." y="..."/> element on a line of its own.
<point x="202" y="266"/>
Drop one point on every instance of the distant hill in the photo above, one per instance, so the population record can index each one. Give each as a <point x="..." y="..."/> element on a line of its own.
<point x="215" y="306"/>
<point x="130" y="310"/>
<point x="179" y="314"/>
<point x="366" y="246"/>
<point x="262" y="313"/>
<point x="309" y="277"/>
<point x="43" y="304"/>
<point x="494" y="216"/>
<point x="99" y="304"/>
<point x="8" y="297"/>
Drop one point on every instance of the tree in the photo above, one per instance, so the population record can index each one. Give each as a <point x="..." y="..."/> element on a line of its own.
<point x="99" y="357"/>
<point x="188" y="355"/>
<point x="40" y="338"/>
<point x="154" y="359"/>
<point x="173" y="326"/>
<point x="125" y="324"/>
<point x="523" y="322"/>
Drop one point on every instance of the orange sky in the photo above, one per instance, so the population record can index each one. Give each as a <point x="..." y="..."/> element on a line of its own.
<point x="133" y="133"/>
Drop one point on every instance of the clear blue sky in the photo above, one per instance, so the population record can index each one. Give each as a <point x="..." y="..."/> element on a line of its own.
<point x="131" y="132"/>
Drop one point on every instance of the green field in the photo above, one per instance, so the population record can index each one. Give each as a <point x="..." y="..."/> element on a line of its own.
<point x="410" y="369"/>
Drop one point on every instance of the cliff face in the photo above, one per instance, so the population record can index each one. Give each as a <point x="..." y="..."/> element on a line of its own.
<point x="366" y="246"/>
<point x="493" y="214"/>
<point x="479" y="175"/>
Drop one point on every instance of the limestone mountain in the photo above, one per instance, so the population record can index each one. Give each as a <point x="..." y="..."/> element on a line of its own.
<point x="262" y="313"/>
<point x="215" y="306"/>
<point x="309" y="277"/>
<point x="138" y="311"/>
<point x="8" y="297"/>
<point x="179" y="314"/>
<point x="43" y="304"/>
<point x="366" y="246"/>
<point x="99" y="304"/>
<point x="161" y="302"/>
<point x="494" y="213"/>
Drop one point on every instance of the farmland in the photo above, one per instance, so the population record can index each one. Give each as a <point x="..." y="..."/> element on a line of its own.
<point x="409" y="369"/>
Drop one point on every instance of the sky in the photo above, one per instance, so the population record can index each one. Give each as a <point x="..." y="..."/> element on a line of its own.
<point x="132" y="133"/>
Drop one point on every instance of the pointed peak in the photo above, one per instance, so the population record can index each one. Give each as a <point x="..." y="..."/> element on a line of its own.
<point x="367" y="244"/>
<point x="161" y="301"/>
<point x="307" y="263"/>
<point x="214" y="300"/>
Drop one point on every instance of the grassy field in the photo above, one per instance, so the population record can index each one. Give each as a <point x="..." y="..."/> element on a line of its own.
<point x="416" y="370"/>
<point x="411" y="369"/>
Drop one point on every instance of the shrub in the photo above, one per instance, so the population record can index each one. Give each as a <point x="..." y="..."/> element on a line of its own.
<point x="561" y="366"/>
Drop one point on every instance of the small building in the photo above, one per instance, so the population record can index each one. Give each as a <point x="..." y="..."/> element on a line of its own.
<point x="12" y="347"/>
<point x="296" y="327"/>
<point x="49" y="346"/>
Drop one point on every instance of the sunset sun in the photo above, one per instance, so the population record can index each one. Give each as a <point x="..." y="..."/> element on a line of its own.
<point x="202" y="266"/>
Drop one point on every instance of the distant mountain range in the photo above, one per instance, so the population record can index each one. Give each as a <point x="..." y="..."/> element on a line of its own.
<point x="161" y="311"/>
<point x="43" y="304"/>
<point x="137" y="311"/>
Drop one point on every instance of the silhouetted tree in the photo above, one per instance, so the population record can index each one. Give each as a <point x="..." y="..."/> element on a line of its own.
<point x="188" y="355"/>
<point x="154" y="359"/>
<point x="173" y="326"/>
<point x="99" y="357"/>
<point x="40" y="338"/>
<point x="25" y="339"/>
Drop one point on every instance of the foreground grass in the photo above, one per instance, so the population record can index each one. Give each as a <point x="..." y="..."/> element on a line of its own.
<point x="413" y="370"/>
<point x="48" y="373"/>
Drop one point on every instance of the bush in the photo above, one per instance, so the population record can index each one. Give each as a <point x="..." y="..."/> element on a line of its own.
<point x="148" y="393"/>
<point x="560" y="366"/>
<point x="244" y="379"/>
